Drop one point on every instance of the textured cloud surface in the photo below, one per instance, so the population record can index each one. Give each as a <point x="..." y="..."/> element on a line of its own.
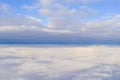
<point x="59" y="63"/>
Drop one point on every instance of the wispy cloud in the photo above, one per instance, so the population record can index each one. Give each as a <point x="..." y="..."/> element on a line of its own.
<point x="76" y="21"/>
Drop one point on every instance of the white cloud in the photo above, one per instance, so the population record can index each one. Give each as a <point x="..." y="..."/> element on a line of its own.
<point x="48" y="2"/>
<point x="19" y="20"/>
<point x="19" y="23"/>
<point x="17" y="28"/>
<point x="106" y="26"/>
<point x="59" y="63"/>
<point x="82" y="1"/>
<point x="62" y="18"/>
<point x="56" y="31"/>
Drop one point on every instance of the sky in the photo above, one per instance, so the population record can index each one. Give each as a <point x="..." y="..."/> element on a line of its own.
<point x="60" y="21"/>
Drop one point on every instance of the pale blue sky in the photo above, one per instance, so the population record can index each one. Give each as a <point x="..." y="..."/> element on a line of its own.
<point x="60" y="21"/>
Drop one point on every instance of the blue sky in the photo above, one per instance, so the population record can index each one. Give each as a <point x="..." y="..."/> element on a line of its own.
<point x="60" y="21"/>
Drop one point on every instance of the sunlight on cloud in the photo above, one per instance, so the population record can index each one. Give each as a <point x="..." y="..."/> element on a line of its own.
<point x="57" y="31"/>
<point x="60" y="63"/>
<point x="17" y="28"/>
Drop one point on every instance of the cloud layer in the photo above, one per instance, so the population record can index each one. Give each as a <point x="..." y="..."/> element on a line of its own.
<point x="60" y="22"/>
<point x="59" y="63"/>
